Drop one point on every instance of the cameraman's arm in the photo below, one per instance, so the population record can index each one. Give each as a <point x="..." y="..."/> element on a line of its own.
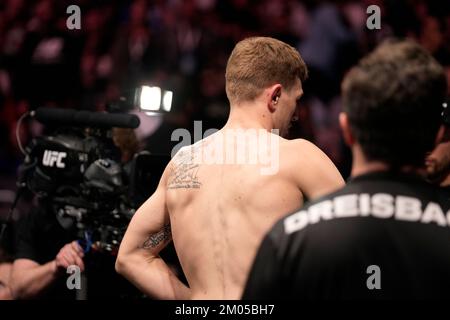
<point x="5" y="276"/>
<point x="29" y="278"/>
<point x="138" y="259"/>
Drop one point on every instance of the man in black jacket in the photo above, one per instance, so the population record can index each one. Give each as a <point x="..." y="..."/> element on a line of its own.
<point x="386" y="234"/>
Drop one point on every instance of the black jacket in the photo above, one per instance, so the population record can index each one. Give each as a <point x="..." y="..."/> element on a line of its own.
<point x="381" y="230"/>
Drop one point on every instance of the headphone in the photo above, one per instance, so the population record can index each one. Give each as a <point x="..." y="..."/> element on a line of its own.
<point x="275" y="99"/>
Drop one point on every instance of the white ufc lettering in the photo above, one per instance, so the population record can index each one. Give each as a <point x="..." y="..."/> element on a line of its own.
<point x="51" y="158"/>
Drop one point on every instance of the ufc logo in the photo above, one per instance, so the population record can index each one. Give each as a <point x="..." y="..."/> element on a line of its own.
<point x="53" y="157"/>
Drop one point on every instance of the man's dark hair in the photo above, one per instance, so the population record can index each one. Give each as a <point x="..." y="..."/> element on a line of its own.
<point x="393" y="99"/>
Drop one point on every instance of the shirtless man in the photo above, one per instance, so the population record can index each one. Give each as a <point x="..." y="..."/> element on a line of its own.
<point x="217" y="213"/>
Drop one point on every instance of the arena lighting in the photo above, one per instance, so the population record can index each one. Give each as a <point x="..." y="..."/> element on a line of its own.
<point x="153" y="100"/>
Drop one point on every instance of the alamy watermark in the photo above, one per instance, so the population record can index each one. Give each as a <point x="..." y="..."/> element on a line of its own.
<point x="231" y="146"/>
<point x="74" y="280"/>
<point x="374" y="280"/>
<point x="374" y="20"/>
<point x="74" y="20"/>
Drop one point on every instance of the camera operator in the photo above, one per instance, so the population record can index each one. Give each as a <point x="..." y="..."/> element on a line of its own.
<point x="47" y="237"/>
<point x="44" y="251"/>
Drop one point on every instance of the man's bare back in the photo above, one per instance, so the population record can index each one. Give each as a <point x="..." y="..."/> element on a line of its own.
<point x="219" y="212"/>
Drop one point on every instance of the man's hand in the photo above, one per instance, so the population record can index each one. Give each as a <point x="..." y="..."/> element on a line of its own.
<point x="70" y="254"/>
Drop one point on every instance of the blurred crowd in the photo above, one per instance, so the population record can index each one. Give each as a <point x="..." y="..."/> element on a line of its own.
<point x="183" y="45"/>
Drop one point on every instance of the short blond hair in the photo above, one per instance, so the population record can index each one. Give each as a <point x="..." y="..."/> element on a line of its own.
<point x="259" y="62"/>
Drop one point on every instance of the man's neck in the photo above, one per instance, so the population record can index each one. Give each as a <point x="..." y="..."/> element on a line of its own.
<point x="249" y="117"/>
<point x="358" y="170"/>
<point x="361" y="165"/>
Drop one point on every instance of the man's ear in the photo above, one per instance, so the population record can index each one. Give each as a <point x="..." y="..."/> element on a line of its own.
<point x="346" y="131"/>
<point x="273" y="96"/>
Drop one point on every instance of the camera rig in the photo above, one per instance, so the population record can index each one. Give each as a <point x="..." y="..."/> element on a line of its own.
<point x="78" y="170"/>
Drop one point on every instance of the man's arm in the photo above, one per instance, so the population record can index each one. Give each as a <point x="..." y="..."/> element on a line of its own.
<point x="5" y="276"/>
<point x="29" y="278"/>
<point x="315" y="173"/>
<point x="138" y="260"/>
